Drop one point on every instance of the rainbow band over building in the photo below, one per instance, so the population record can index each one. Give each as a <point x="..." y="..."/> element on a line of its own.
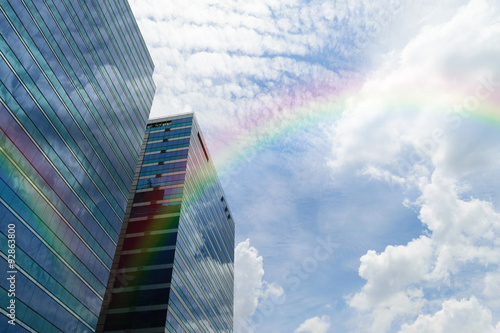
<point x="173" y="268"/>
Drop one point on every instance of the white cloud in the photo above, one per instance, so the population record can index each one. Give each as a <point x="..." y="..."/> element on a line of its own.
<point x="464" y="316"/>
<point x="250" y="289"/>
<point x="389" y="272"/>
<point x="403" y="104"/>
<point x="464" y="230"/>
<point x="492" y="284"/>
<point x="314" y="325"/>
<point x="202" y="50"/>
<point x="461" y="233"/>
<point x="397" y="129"/>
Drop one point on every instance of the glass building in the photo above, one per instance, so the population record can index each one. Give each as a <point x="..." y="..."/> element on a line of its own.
<point x="175" y="257"/>
<point x="75" y="94"/>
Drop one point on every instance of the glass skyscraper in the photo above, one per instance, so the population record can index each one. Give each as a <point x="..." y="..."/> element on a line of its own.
<point x="173" y="269"/>
<point x="75" y="94"/>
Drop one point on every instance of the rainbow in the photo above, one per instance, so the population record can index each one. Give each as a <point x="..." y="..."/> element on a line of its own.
<point x="302" y="108"/>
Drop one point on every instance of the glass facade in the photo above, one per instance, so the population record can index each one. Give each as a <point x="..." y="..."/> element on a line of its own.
<point x="75" y="94"/>
<point x="175" y="257"/>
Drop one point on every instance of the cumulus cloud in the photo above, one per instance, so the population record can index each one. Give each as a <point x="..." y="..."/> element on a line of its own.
<point x="250" y="289"/>
<point x="464" y="316"/>
<point x="414" y="124"/>
<point x="314" y="325"/>
<point x="461" y="233"/>
<point x="388" y="273"/>
<point x="424" y="92"/>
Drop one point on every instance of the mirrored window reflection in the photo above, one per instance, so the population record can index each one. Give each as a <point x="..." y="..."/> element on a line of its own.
<point x="75" y="108"/>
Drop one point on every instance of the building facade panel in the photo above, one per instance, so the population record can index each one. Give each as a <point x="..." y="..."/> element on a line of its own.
<point x="75" y="93"/>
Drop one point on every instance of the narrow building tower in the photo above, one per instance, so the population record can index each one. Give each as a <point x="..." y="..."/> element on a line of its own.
<point x="173" y="268"/>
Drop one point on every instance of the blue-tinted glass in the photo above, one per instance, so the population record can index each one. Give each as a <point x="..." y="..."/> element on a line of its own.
<point x="76" y="89"/>
<point x="176" y="221"/>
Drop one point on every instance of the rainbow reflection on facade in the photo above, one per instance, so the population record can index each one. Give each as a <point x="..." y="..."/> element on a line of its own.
<point x="175" y="258"/>
<point x="76" y="90"/>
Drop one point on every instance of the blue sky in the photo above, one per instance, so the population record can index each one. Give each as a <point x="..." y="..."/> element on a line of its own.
<point x="358" y="146"/>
